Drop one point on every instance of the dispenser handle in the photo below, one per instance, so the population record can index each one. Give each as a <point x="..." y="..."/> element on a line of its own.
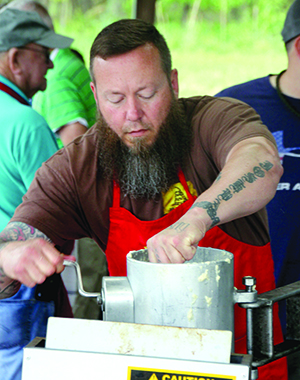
<point x="81" y="291"/>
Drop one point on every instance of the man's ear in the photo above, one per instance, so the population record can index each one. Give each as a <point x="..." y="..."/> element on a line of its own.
<point x="297" y="45"/>
<point x="174" y="82"/>
<point x="14" y="63"/>
<point x="93" y="88"/>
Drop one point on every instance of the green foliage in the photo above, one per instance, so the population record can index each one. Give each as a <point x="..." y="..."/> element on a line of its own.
<point x="179" y="10"/>
<point x="214" y="43"/>
<point x="207" y="64"/>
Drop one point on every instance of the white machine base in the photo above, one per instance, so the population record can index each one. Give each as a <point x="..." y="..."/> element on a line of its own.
<point x="60" y="360"/>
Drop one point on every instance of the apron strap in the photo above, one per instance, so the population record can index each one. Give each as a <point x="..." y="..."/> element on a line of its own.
<point x="116" y="195"/>
<point x="184" y="183"/>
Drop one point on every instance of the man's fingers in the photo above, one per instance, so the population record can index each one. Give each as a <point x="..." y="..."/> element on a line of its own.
<point x="170" y="248"/>
<point x="31" y="262"/>
<point x="36" y="275"/>
<point x="30" y="276"/>
<point x="187" y="251"/>
<point x="158" y="256"/>
<point x="49" y="251"/>
<point x="165" y="255"/>
<point x="45" y="267"/>
<point x="42" y="269"/>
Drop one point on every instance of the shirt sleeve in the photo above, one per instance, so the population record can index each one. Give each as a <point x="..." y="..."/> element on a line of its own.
<point x="51" y="203"/>
<point x="224" y="123"/>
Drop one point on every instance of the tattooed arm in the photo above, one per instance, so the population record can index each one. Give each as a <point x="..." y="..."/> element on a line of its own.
<point x="26" y="256"/>
<point x="247" y="182"/>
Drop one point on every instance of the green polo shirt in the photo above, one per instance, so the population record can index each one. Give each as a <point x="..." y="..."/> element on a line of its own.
<point x="68" y="96"/>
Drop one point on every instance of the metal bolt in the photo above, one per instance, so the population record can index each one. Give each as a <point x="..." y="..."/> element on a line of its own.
<point x="249" y="282"/>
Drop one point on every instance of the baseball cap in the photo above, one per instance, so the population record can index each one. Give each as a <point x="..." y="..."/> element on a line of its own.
<point x="291" y="28"/>
<point x="19" y="28"/>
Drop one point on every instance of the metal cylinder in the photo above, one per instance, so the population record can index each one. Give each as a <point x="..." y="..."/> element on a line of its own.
<point x="198" y="293"/>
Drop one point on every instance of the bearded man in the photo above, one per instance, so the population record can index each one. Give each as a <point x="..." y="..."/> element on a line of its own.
<point x="155" y="171"/>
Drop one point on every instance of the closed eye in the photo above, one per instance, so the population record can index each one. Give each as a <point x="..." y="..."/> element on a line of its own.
<point x="115" y="98"/>
<point x="146" y="95"/>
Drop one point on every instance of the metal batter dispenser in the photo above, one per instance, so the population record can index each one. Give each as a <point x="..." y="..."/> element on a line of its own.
<point x="198" y="293"/>
<point x="198" y="296"/>
<point x="162" y="321"/>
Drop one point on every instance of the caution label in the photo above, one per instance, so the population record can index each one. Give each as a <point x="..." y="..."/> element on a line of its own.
<point x="159" y="374"/>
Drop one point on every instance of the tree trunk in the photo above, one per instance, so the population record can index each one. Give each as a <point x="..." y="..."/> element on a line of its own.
<point x="145" y="10"/>
<point x="223" y="19"/>
<point x="194" y="13"/>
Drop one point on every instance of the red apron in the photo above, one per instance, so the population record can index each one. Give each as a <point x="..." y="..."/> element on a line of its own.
<point x="128" y="233"/>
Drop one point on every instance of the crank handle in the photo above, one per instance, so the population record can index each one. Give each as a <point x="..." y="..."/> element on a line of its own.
<point x="81" y="291"/>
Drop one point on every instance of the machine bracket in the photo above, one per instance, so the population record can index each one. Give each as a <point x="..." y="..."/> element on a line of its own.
<point x="260" y="339"/>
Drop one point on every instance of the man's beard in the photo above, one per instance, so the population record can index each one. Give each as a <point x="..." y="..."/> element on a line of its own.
<point x="145" y="171"/>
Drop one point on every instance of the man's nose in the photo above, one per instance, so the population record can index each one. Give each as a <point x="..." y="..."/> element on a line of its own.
<point x="50" y="64"/>
<point x="134" y="110"/>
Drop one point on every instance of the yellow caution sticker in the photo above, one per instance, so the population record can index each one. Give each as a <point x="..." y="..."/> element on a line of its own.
<point x="135" y="373"/>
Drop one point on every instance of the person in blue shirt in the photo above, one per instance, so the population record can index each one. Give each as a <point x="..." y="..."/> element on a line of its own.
<point x="276" y="98"/>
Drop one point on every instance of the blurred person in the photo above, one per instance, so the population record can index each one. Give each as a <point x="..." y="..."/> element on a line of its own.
<point x="67" y="104"/>
<point x="69" y="107"/>
<point x="155" y="171"/>
<point x="276" y="98"/>
<point x="26" y="142"/>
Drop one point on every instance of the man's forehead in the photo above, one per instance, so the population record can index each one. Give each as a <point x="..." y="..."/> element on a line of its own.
<point x="35" y="45"/>
<point x="144" y="51"/>
<point x="144" y="58"/>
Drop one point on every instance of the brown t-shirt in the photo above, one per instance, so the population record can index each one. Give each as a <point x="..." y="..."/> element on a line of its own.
<point x="69" y="200"/>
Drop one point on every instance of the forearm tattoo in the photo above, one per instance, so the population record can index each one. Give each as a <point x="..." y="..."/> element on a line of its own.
<point x="219" y="177"/>
<point x="235" y="187"/>
<point x="15" y="231"/>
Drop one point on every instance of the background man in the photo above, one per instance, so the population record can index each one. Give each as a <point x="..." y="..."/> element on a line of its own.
<point x="68" y="105"/>
<point x="277" y="100"/>
<point x="26" y="142"/>
<point x="155" y="171"/>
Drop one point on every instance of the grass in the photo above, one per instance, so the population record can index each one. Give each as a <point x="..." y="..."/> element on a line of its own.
<point x="206" y="59"/>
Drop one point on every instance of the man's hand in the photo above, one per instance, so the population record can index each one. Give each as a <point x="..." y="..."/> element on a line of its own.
<point x="27" y="256"/>
<point x="179" y="242"/>
<point x="30" y="262"/>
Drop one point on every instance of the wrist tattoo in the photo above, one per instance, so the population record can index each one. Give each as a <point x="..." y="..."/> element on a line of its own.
<point x="179" y="226"/>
